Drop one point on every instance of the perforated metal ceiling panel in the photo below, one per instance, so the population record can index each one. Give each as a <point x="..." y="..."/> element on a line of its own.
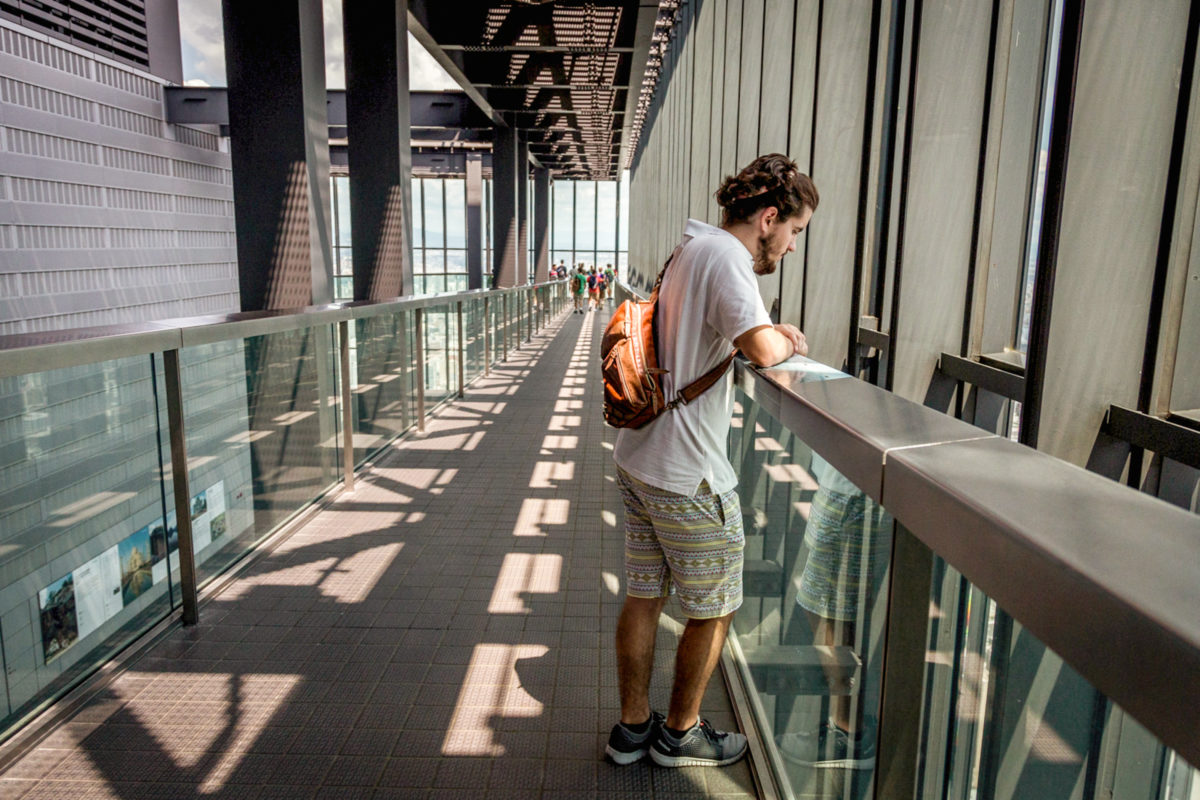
<point x="558" y="70"/>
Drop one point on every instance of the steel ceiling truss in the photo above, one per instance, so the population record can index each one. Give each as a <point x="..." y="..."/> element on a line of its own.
<point x="558" y="70"/>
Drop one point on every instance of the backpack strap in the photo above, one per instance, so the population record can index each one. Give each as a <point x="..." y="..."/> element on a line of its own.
<point x="705" y="381"/>
<point x="702" y="384"/>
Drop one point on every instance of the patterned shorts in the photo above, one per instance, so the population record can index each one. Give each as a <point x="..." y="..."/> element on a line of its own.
<point x="689" y="545"/>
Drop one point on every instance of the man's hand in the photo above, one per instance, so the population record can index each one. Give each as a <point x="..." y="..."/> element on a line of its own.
<point x="793" y="334"/>
<point x="767" y="345"/>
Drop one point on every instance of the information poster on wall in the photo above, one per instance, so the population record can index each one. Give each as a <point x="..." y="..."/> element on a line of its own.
<point x="76" y="605"/>
<point x="98" y="591"/>
<point x="208" y="516"/>
<point x="60" y="625"/>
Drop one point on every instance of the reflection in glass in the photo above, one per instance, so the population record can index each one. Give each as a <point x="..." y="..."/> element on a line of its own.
<point x="810" y="627"/>
<point x="260" y="422"/>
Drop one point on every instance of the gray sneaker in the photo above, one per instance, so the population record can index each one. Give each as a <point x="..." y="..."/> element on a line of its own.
<point x="702" y="746"/>
<point x="625" y="747"/>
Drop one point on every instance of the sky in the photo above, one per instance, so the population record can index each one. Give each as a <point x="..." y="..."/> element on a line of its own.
<point x="204" y="49"/>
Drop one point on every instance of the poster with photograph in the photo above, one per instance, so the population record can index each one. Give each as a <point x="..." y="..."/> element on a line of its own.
<point x="216" y="510"/>
<point x="201" y="534"/>
<point x="159" y="547"/>
<point x="208" y="516"/>
<point x="137" y="565"/>
<point x="60" y="626"/>
<point x="98" y="591"/>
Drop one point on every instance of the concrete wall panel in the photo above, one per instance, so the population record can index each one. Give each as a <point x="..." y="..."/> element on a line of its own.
<point x="941" y="189"/>
<point x="845" y="35"/>
<point x="1124" y="115"/>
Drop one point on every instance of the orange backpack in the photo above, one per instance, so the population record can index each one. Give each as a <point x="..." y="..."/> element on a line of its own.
<point x="633" y="393"/>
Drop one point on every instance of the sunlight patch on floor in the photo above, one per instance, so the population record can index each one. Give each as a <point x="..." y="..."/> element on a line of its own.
<point x="524" y="573"/>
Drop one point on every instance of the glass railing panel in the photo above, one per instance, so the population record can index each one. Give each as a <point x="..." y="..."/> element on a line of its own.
<point x="809" y="633"/>
<point x="473" y="323"/>
<point x="1006" y="717"/>
<point x="382" y="381"/>
<point x="83" y="543"/>
<point x="440" y="338"/>
<point x="262" y="437"/>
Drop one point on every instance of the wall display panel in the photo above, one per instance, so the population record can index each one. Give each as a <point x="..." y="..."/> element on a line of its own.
<point x="1022" y="40"/>
<point x="750" y="82"/>
<point x="1123" y="118"/>
<point x="947" y="115"/>
<point x="844" y="45"/>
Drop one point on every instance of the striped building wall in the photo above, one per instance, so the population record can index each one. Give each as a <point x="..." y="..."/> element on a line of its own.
<point x="107" y="213"/>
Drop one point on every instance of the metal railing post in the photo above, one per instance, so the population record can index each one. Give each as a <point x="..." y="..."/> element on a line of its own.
<point x="505" y="349"/>
<point x="462" y="352"/>
<point x="420" y="343"/>
<point x="179" y="481"/>
<point x="347" y="417"/>
<point x="487" y="336"/>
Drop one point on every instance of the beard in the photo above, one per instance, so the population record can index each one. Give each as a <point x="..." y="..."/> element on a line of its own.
<point x="763" y="264"/>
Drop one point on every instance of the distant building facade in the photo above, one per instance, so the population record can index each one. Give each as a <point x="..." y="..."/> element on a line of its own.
<point x="108" y="214"/>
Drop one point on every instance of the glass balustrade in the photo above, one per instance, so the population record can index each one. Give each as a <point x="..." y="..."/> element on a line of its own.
<point x="1000" y="715"/>
<point x="89" y="533"/>
<point x="809" y="633"/>
<point x="262" y="437"/>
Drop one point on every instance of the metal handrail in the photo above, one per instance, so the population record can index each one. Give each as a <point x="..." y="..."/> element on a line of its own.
<point x="25" y="353"/>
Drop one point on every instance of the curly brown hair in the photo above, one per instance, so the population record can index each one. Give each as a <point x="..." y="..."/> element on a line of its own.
<point x="770" y="180"/>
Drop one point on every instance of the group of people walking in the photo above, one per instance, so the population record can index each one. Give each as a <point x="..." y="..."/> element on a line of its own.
<point x="597" y="284"/>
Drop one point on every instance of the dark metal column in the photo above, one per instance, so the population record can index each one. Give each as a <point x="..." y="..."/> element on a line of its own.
<point x="379" y="147"/>
<point x="541" y="224"/>
<point x="474" y="221"/>
<point x="522" y="210"/>
<point x="504" y="208"/>
<point x="275" y="67"/>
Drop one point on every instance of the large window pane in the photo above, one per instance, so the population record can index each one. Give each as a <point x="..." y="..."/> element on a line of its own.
<point x="435" y="262"/>
<point x="418" y="222"/>
<point x="585" y="220"/>
<point x="456" y="261"/>
<point x="564" y="223"/>
<point x="456" y="213"/>
<point x="623" y="232"/>
<point x="606" y="219"/>
<point x="342" y="198"/>
<point x="435" y="234"/>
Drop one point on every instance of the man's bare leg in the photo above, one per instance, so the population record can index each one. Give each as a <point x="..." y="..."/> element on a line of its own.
<point x="636" y="632"/>
<point x="699" y="648"/>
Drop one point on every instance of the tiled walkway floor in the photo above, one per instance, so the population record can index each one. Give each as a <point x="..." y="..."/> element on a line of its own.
<point x="444" y="631"/>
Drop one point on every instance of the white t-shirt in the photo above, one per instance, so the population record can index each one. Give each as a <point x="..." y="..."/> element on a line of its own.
<point x="708" y="298"/>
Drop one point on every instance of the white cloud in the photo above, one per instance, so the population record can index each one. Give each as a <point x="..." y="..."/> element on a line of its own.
<point x="424" y="73"/>
<point x="203" y="39"/>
